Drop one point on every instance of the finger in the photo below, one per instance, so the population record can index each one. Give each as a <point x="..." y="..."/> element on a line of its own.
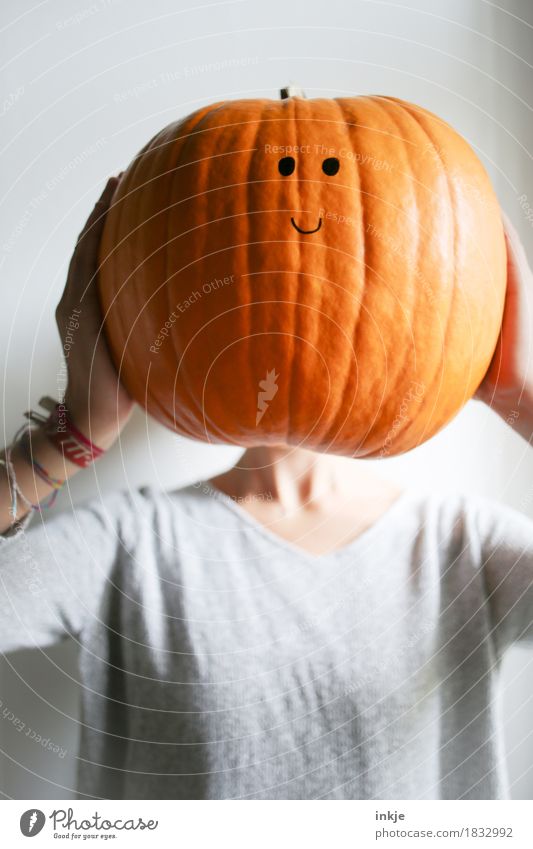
<point x="519" y="275"/>
<point x="517" y="264"/>
<point x="507" y="223"/>
<point x="96" y="219"/>
<point x="515" y="247"/>
<point x="106" y="196"/>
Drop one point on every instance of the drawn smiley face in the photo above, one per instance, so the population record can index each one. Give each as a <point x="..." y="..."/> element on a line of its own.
<point x="286" y="166"/>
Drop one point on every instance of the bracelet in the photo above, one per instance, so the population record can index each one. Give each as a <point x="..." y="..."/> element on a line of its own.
<point x="40" y="471"/>
<point x="22" y="434"/>
<point x="13" y="483"/>
<point x="64" y="435"/>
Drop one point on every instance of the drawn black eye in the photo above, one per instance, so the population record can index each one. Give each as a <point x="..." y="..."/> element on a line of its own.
<point x="286" y="165"/>
<point x="331" y="166"/>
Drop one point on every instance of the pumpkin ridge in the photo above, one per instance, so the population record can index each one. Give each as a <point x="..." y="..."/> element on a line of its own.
<point x="406" y="427"/>
<point x="410" y="310"/>
<point x="250" y="292"/>
<point x="136" y="166"/>
<point x="328" y="422"/>
<point x="381" y="412"/>
<point x="364" y="195"/>
<point x="210" y="426"/>
<point x="181" y="154"/>
<point x="150" y="401"/>
<point x="340" y="415"/>
<point x="118" y="315"/>
<point x="296" y="297"/>
<point x="451" y="302"/>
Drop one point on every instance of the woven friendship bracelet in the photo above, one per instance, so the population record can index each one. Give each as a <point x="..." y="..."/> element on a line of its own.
<point x="13" y="483"/>
<point x="40" y="471"/>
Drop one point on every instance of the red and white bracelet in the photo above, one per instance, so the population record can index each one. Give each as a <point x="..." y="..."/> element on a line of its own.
<point x="70" y="441"/>
<point x="64" y="435"/>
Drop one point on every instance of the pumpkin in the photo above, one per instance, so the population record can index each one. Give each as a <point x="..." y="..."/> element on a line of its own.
<point x="327" y="273"/>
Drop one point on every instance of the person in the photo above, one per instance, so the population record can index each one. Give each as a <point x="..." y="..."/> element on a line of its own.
<point x="295" y="628"/>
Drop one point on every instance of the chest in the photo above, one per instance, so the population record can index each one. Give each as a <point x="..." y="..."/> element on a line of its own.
<point x="245" y="650"/>
<point x="291" y="685"/>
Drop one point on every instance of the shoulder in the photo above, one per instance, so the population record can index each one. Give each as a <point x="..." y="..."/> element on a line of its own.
<point x="458" y="521"/>
<point x="169" y="514"/>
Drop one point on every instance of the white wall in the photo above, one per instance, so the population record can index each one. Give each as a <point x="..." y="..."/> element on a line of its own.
<point x="83" y="87"/>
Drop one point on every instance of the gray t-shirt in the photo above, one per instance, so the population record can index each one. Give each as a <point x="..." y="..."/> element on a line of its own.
<point x="219" y="661"/>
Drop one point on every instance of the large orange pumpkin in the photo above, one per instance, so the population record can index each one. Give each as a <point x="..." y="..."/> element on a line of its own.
<point x="327" y="273"/>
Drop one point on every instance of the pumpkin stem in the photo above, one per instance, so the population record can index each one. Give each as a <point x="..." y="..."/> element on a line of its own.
<point x="291" y="91"/>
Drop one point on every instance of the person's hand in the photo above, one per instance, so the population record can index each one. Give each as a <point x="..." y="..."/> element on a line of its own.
<point x="508" y="385"/>
<point x="95" y="399"/>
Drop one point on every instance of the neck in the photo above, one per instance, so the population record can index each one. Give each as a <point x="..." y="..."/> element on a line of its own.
<point x="293" y="477"/>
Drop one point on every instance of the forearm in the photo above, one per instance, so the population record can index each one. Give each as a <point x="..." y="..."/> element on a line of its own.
<point x="96" y="403"/>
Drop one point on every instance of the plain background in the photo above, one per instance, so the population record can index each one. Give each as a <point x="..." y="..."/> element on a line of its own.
<point x="83" y="87"/>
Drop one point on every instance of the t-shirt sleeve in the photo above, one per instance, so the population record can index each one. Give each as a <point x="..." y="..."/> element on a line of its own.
<point x="52" y="572"/>
<point x="506" y="551"/>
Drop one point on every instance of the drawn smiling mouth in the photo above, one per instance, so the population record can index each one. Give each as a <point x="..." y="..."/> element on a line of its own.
<point x="306" y="232"/>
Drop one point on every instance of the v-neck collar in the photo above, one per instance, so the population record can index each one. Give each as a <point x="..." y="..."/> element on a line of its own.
<point x="208" y="491"/>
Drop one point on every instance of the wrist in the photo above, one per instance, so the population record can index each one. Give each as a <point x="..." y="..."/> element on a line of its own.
<point x="45" y="453"/>
<point x="35" y="474"/>
<point x="65" y="437"/>
<point x="101" y="431"/>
